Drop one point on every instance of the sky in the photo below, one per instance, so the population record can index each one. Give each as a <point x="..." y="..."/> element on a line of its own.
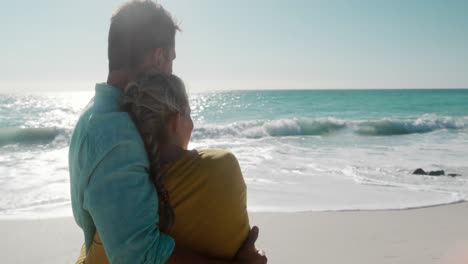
<point x="244" y="44"/>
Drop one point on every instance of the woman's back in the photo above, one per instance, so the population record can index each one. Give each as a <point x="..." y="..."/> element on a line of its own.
<point x="208" y="195"/>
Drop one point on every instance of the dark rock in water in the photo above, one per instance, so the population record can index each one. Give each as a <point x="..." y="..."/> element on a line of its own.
<point x="419" y="172"/>
<point x="436" y="173"/>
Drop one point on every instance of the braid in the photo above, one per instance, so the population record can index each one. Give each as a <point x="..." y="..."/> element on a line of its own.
<point x="167" y="216"/>
<point x="149" y="102"/>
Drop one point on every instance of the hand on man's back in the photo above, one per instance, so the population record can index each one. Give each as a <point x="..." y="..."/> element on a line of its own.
<point x="248" y="253"/>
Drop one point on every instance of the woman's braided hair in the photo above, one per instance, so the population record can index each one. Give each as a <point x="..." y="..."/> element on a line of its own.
<point x="150" y="102"/>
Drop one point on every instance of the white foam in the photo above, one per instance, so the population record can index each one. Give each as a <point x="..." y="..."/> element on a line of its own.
<point x="374" y="175"/>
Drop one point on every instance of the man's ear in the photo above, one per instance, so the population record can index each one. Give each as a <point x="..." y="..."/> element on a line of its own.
<point x="157" y="58"/>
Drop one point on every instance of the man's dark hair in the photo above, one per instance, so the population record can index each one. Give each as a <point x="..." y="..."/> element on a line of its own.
<point x="137" y="28"/>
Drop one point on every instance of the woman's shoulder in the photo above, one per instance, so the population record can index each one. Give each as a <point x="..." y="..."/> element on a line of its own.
<point x="215" y="155"/>
<point x="217" y="159"/>
<point x="219" y="163"/>
<point x="203" y="161"/>
<point x="204" y="165"/>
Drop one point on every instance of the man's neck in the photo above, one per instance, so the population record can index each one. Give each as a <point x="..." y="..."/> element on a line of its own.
<point x="118" y="79"/>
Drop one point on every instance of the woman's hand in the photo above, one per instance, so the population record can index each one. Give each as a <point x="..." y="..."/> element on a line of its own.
<point x="248" y="254"/>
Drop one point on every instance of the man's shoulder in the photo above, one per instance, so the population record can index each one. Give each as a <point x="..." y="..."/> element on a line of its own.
<point x="99" y="122"/>
<point x="104" y="130"/>
<point x="111" y="129"/>
<point x="106" y="138"/>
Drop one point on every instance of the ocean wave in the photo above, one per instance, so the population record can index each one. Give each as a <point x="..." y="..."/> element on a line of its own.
<point x="315" y="127"/>
<point x="424" y="124"/>
<point x="267" y="128"/>
<point x="274" y="128"/>
<point x="31" y="135"/>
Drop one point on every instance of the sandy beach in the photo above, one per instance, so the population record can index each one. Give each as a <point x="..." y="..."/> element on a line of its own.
<point x="427" y="235"/>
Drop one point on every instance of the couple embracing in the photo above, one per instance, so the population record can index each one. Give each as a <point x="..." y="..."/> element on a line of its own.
<point x="138" y="193"/>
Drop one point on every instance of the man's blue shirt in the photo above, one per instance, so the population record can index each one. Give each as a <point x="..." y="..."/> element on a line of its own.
<point x="110" y="187"/>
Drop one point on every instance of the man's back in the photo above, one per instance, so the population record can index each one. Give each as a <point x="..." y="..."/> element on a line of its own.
<point x="110" y="187"/>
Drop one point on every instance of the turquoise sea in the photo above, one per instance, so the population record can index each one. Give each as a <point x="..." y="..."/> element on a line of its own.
<point x="299" y="150"/>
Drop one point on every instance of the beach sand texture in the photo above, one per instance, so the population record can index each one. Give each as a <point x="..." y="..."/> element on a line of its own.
<point x="428" y="235"/>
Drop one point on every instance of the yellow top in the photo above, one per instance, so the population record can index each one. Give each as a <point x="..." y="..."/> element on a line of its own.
<point x="208" y="195"/>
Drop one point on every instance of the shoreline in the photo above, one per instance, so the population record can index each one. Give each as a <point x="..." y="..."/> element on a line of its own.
<point x="26" y="216"/>
<point x="423" y="235"/>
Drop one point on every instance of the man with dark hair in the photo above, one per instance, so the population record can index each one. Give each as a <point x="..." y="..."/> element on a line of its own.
<point x="141" y="38"/>
<point x="111" y="190"/>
